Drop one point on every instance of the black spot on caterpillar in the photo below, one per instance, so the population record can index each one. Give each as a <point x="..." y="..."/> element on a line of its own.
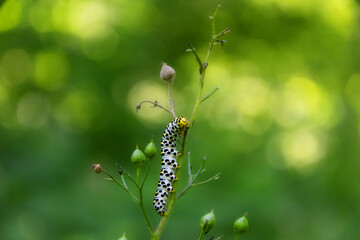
<point x="174" y="129"/>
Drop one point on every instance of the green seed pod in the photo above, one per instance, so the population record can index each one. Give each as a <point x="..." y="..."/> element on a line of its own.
<point x="241" y="225"/>
<point x="207" y="222"/>
<point x="150" y="150"/>
<point x="123" y="237"/>
<point x="138" y="158"/>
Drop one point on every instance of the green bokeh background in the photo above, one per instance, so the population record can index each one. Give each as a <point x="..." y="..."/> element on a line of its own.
<point x="283" y="129"/>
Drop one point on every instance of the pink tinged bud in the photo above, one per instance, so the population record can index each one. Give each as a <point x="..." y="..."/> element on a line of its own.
<point x="167" y="73"/>
<point x="97" y="167"/>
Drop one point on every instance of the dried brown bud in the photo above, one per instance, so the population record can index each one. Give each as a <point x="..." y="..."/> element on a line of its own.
<point x="97" y="167"/>
<point x="167" y="73"/>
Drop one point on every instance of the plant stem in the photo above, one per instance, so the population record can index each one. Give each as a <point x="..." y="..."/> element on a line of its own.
<point x="122" y="186"/>
<point x="206" y="181"/>
<point x="138" y="170"/>
<point x="209" y="95"/>
<point x="237" y="236"/>
<point x="198" y="99"/>
<point x="204" y="65"/>
<point x="202" y="70"/>
<point x="201" y="234"/>
<point x="191" y="181"/>
<point x="146" y="173"/>
<point x="193" y="50"/>
<point x="191" y="178"/>
<point x="213" y="33"/>
<point x="131" y="178"/>
<point x="141" y="203"/>
<point x="140" y="200"/>
<point x="172" y="198"/>
<point x="155" y="105"/>
<point x="123" y="180"/>
<point x="171" y="100"/>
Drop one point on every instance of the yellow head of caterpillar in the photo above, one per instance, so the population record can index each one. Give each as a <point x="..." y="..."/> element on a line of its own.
<point x="163" y="213"/>
<point x="183" y="124"/>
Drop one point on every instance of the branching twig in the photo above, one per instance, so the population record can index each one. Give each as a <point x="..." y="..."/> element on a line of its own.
<point x="202" y="69"/>
<point x="141" y="203"/>
<point x="138" y="200"/>
<point x="203" y="64"/>
<point x="209" y="95"/>
<point x="192" y="178"/>
<point x="155" y="103"/>
<point x="131" y="178"/>
<point x="193" y="50"/>
<point x="122" y="186"/>
<point x="215" y="177"/>
<point x="189" y="167"/>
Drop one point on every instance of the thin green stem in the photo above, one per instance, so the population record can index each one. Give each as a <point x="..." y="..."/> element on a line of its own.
<point x="138" y="170"/>
<point x="237" y="236"/>
<point x="183" y="191"/>
<point x="131" y="178"/>
<point x="222" y="33"/>
<point x="216" y="177"/>
<point x="200" y="169"/>
<point x="198" y="99"/>
<point x="155" y="103"/>
<point x="201" y="235"/>
<point x="193" y="50"/>
<point x="123" y="180"/>
<point x="172" y="198"/>
<point x="122" y="186"/>
<point x="189" y="168"/>
<point x="171" y="100"/>
<point x="191" y="179"/>
<point x="213" y="33"/>
<point x="141" y="203"/>
<point x="204" y="65"/>
<point x="202" y="70"/>
<point x="140" y="200"/>
<point x="146" y="173"/>
<point x="209" y="95"/>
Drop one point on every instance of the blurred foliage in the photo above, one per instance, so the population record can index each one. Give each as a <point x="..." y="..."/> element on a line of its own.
<point x="283" y="128"/>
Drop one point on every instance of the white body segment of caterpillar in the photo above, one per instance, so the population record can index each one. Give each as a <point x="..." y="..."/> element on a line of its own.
<point x="174" y="129"/>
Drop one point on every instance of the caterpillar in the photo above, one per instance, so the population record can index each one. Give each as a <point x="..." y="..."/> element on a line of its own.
<point x="173" y="130"/>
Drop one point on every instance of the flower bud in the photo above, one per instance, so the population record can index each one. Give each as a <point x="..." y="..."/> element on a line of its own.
<point x="96" y="167"/>
<point x="167" y="73"/>
<point x="150" y="150"/>
<point x="207" y="222"/>
<point x="241" y="225"/>
<point x="123" y="237"/>
<point x="138" y="158"/>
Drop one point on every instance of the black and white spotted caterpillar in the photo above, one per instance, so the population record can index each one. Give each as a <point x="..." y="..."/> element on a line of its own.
<point x="174" y="129"/>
